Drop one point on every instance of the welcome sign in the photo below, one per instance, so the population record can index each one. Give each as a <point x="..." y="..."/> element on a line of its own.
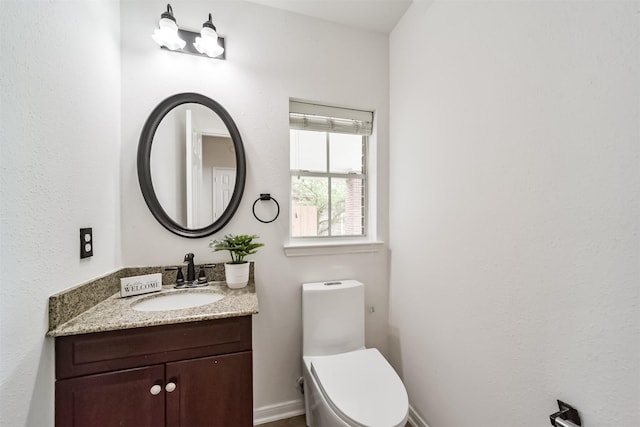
<point x="138" y="285"/>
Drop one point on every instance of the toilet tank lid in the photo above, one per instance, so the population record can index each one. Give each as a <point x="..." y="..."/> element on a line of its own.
<point x="381" y="398"/>
<point x="331" y="284"/>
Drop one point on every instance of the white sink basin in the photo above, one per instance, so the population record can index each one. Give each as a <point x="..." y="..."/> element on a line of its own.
<point x="176" y="301"/>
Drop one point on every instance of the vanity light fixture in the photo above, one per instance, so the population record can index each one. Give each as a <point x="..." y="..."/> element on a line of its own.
<point x="208" y="42"/>
<point x="205" y="43"/>
<point x="167" y="33"/>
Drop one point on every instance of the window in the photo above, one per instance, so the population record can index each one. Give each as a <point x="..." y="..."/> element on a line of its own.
<point x="328" y="165"/>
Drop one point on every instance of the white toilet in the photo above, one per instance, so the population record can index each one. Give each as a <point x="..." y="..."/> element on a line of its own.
<point x="345" y="384"/>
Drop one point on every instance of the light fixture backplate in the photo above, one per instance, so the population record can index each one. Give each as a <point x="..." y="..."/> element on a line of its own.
<point x="190" y="38"/>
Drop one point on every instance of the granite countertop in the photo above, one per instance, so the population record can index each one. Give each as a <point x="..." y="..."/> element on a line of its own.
<point x="115" y="313"/>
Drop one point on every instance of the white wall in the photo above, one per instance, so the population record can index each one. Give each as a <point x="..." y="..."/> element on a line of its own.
<point x="168" y="164"/>
<point x="271" y="55"/>
<point x="515" y="211"/>
<point x="59" y="171"/>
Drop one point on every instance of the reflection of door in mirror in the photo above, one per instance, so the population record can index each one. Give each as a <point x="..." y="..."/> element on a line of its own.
<point x="211" y="173"/>
<point x="224" y="179"/>
<point x="219" y="173"/>
<point x="191" y="143"/>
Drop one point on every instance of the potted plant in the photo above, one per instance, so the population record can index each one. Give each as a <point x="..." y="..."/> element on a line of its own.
<point x="239" y="246"/>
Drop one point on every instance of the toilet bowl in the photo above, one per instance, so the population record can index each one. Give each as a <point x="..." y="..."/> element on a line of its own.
<point x="346" y="384"/>
<point x="357" y="388"/>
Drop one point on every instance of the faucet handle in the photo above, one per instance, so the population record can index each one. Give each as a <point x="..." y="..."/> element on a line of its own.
<point x="179" y="275"/>
<point x="202" y="274"/>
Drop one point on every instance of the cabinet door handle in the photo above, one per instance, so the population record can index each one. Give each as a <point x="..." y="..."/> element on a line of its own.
<point x="170" y="387"/>
<point x="155" y="390"/>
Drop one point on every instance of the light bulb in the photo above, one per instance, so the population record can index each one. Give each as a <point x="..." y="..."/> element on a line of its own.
<point x="208" y="42"/>
<point x="167" y="33"/>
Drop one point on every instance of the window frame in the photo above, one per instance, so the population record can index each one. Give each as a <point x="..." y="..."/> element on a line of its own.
<point x="365" y="120"/>
<point x="298" y="173"/>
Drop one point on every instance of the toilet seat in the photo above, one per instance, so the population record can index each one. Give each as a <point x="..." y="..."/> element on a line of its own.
<point x="362" y="388"/>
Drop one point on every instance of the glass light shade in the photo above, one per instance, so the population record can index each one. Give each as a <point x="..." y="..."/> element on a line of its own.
<point x="167" y="35"/>
<point x="208" y="43"/>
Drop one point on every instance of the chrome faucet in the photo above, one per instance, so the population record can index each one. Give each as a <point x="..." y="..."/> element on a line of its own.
<point x="191" y="269"/>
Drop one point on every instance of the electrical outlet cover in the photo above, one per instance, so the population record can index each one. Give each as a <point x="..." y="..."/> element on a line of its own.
<point x="86" y="242"/>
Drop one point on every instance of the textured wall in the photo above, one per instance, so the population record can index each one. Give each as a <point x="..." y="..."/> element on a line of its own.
<point x="514" y="274"/>
<point x="271" y="55"/>
<point x="59" y="157"/>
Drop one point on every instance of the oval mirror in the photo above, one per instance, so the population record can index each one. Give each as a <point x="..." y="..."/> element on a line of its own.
<point x="191" y="165"/>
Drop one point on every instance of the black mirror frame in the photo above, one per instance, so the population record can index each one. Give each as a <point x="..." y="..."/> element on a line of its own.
<point x="144" y="164"/>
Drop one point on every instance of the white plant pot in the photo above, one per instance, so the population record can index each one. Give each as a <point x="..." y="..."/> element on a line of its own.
<point x="237" y="275"/>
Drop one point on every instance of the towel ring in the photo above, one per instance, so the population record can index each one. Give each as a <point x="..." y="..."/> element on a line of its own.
<point x="266" y="196"/>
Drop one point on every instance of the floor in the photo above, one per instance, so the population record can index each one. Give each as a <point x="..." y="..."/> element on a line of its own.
<point x="289" y="422"/>
<point x="293" y="422"/>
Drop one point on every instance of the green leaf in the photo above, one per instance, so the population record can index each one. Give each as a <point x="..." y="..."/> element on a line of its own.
<point x="239" y="246"/>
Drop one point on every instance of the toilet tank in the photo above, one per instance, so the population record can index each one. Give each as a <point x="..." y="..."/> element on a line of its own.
<point x="332" y="317"/>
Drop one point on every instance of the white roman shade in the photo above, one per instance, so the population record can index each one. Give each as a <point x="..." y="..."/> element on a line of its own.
<point x="307" y="116"/>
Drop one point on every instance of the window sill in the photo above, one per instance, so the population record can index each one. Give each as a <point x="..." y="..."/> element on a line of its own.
<point x="331" y="248"/>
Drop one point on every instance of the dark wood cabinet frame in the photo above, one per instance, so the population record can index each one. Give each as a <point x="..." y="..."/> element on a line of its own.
<point x="105" y="378"/>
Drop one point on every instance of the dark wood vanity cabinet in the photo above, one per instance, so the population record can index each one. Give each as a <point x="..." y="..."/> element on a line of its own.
<point x="189" y="374"/>
<point x="111" y="399"/>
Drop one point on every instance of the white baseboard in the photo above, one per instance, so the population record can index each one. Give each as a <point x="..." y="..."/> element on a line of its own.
<point x="281" y="411"/>
<point x="277" y="412"/>
<point x="415" y="419"/>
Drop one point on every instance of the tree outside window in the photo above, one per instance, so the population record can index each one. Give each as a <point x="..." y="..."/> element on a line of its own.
<point x="327" y="184"/>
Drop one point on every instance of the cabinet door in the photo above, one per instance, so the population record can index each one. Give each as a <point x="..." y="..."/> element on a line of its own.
<point x="212" y="391"/>
<point x="121" y="398"/>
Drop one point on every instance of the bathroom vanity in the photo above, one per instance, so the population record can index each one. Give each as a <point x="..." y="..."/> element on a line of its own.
<point x="186" y="367"/>
<point x="188" y="374"/>
<point x="119" y="362"/>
